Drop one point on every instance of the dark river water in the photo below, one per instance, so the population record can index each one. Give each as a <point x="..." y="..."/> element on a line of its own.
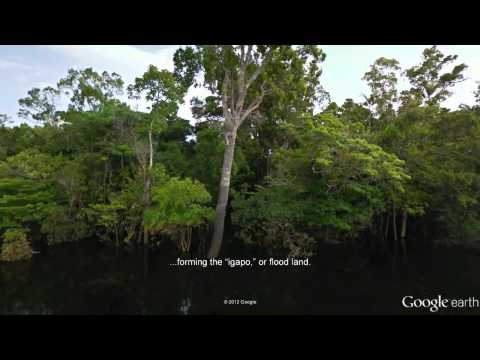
<point x="91" y="279"/>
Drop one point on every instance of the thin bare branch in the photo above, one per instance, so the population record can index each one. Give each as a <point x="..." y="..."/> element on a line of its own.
<point x="259" y="69"/>
<point x="226" y="83"/>
<point x="242" y="88"/>
<point x="241" y="79"/>
<point x="232" y="98"/>
<point x="254" y="105"/>
<point x="249" y="54"/>
<point x="242" y="54"/>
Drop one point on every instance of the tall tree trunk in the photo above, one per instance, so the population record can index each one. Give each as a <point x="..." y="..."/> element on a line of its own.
<point x="146" y="200"/>
<point x="403" y="232"/>
<point x="222" y="200"/>
<point x="269" y="163"/>
<point x="140" y="233"/>
<point x="117" y="241"/>
<point x="150" y="141"/>
<point x="146" y="239"/>
<point x="234" y="93"/>
<point x="146" y="242"/>
<point x="387" y="225"/>
<point x="381" y="233"/>
<point x="145" y="253"/>
<point x="105" y="176"/>
<point x="395" y="237"/>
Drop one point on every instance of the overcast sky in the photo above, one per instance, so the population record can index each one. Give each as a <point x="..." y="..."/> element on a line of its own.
<point x="25" y="66"/>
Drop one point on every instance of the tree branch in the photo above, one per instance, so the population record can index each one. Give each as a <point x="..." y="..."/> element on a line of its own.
<point x="242" y="87"/>
<point x="242" y="54"/>
<point x="232" y="99"/>
<point x="259" y="69"/>
<point x="254" y="105"/>
<point x="226" y="82"/>
<point x="244" y="60"/>
<point x="249" y="53"/>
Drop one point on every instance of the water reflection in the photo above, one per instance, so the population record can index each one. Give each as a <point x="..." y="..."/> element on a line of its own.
<point x="185" y="306"/>
<point x="93" y="280"/>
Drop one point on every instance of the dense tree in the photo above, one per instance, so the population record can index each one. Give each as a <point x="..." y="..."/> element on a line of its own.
<point x="88" y="89"/>
<point x="178" y="207"/>
<point x="430" y="82"/>
<point x="381" y="175"/>
<point x="40" y="105"/>
<point x="15" y="246"/>
<point x="330" y="180"/>
<point x="382" y="80"/>
<point x="409" y="134"/>
<point x="163" y="90"/>
<point x="241" y="76"/>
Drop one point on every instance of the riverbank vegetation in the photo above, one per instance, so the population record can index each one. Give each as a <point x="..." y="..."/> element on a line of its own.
<point x="269" y="158"/>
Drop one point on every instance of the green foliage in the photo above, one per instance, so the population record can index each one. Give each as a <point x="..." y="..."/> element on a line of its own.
<point x="15" y="246"/>
<point x="178" y="206"/>
<point x="108" y="217"/>
<point x="297" y="176"/>
<point x="332" y="178"/>
<point x="429" y="84"/>
<point x="60" y="225"/>
<point x="351" y="112"/>
<point x="455" y="140"/>
<point x="40" y="105"/>
<point x="267" y="217"/>
<point x="178" y="202"/>
<point x="25" y="188"/>
<point x="90" y="90"/>
<point x="382" y="80"/>
<point x="160" y="87"/>
<point x="40" y="188"/>
<point x="122" y="215"/>
<point x="291" y="73"/>
<point x="438" y="149"/>
<point x="187" y="65"/>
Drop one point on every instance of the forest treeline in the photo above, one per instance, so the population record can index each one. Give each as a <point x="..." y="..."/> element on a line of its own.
<point x="269" y="154"/>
